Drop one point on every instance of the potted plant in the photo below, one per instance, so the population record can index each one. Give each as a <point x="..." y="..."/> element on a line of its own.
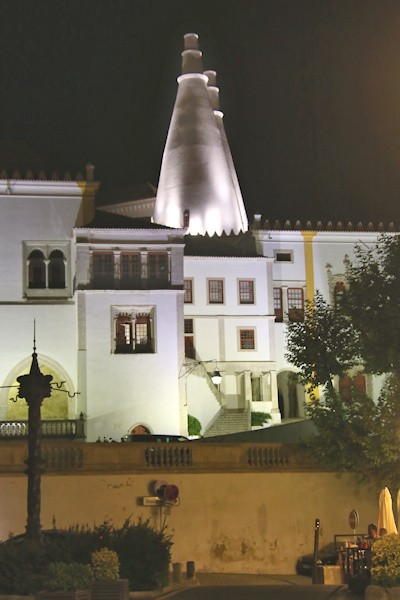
<point x="66" y="581"/>
<point x="107" y="584"/>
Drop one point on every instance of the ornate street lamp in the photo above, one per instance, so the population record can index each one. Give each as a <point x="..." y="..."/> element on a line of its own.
<point x="34" y="387"/>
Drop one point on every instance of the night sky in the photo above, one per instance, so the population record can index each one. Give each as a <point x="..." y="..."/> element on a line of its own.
<point x="310" y="90"/>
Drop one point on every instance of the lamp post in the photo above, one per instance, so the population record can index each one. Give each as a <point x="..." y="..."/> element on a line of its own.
<point x="34" y="387"/>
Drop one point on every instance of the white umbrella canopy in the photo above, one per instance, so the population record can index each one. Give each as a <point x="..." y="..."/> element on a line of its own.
<point x="386" y="517"/>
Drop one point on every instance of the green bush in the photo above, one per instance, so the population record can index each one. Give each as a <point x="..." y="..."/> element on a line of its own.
<point x="144" y="555"/>
<point x="385" y="570"/>
<point x="67" y="577"/>
<point x="194" y="426"/>
<point x="105" y="565"/>
<point x="21" y="568"/>
<point x="259" y="418"/>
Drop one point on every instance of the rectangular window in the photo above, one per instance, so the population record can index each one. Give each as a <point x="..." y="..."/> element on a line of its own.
<point x="215" y="291"/>
<point x="295" y="298"/>
<point x="189" y="339"/>
<point x="247" y="341"/>
<point x="188" y="288"/>
<point x="130" y="269"/>
<point x="283" y="256"/>
<point x="157" y="269"/>
<point x="246" y="291"/>
<point x="278" y="308"/>
<point x="123" y="334"/>
<point x="103" y="270"/>
<point x="133" y="333"/>
<point x="143" y="341"/>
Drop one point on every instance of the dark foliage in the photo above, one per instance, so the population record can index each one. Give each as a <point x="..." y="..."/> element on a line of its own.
<point x="144" y="555"/>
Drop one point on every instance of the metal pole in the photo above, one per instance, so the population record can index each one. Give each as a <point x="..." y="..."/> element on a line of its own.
<point x="315" y="559"/>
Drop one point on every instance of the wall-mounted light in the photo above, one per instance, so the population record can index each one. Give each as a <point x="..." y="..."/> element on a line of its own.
<point x="216" y="377"/>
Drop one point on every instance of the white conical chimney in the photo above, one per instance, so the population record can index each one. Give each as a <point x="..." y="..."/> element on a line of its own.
<point x="197" y="189"/>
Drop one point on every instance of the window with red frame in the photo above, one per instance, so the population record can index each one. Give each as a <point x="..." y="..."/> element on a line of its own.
<point x="188" y="288"/>
<point x="215" y="291"/>
<point x="295" y="298"/>
<point x="278" y="307"/>
<point x="246" y="291"/>
<point x="247" y="341"/>
<point x="103" y="269"/>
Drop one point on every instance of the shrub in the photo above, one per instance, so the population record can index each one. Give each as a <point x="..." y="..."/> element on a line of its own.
<point x="105" y="565"/>
<point x="194" y="426"/>
<point x="67" y="577"/>
<point x="385" y="570"/>
<point x="259" y="418"/>
<point x="144" y="553"/>
<point x="22" y="565"/>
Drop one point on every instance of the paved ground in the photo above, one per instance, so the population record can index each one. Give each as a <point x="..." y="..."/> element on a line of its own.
<point x="290" y="586"/>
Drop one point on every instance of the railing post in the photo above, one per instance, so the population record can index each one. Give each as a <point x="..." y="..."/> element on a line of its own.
<point x="80" y="433"/>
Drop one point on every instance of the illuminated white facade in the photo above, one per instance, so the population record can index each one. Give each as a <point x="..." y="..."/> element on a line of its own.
<point x="134" y="317"/>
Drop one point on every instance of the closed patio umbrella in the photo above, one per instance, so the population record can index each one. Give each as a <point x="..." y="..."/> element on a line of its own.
<point x="386" y="517"/>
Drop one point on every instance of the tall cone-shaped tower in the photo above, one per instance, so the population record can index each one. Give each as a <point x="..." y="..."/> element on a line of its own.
<point x="198" y="186"/>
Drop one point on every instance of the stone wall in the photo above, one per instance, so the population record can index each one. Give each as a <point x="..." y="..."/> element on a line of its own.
<point x="232" y="516"/>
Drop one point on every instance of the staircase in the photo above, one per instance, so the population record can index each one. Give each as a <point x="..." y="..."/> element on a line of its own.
<point x="229" y="421"/>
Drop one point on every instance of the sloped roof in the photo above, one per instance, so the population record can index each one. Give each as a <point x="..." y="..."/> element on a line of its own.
<point x="107" y="220"/>
<point x="126" y="193"/>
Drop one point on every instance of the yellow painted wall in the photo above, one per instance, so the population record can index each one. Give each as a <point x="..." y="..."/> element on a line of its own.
<point x="256" y="522"/>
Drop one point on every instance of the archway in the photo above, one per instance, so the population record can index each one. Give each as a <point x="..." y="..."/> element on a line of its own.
<point x="291" y="396"/>
<point x="140" y="429"/>
<point x="58" y="407"/>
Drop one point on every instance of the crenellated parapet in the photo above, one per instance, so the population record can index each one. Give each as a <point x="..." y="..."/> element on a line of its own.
<point x="41" y="175"/>
<point x="341" y="226"/>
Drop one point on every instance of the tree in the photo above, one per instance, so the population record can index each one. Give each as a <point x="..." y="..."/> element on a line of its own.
<point x="323" y="345"/>
<point x="372" y="302"/>
<point x="362" y="330"/>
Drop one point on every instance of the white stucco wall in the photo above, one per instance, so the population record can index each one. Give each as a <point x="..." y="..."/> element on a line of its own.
<point x="127" y="389"/>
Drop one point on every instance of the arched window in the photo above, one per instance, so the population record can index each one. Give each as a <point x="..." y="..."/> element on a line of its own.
<point x="36" y="270"/>
<point x="360" y="384"/>
<point x="57" y="270"/>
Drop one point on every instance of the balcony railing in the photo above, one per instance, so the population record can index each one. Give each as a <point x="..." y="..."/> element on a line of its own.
<point x="182" y="457"/>
<point x="73" y="429"/>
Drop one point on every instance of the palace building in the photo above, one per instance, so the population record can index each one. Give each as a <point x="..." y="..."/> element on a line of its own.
<point x="140" y="297"/>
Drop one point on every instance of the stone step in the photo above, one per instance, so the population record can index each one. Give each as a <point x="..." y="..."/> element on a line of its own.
<point x="229" y="421"/>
